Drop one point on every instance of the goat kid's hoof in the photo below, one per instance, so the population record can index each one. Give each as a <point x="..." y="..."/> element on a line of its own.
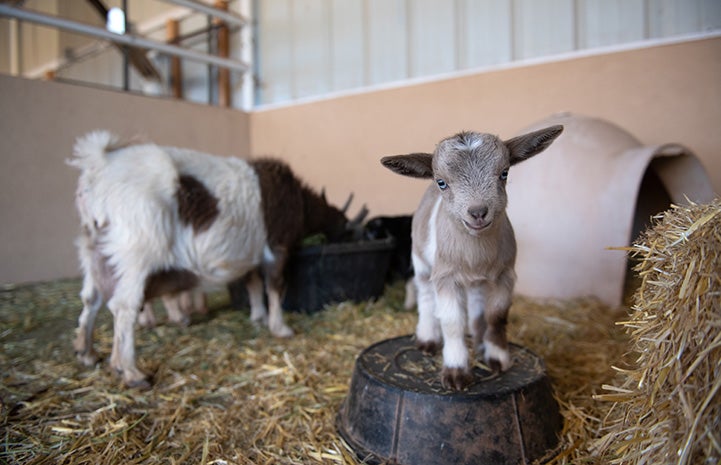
<point x="456" y="379"/>
<point x="497" y="359"/>
<point x="428" y="347"/>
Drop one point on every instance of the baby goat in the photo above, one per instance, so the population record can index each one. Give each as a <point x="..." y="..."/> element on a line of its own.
<point x="464" y="249"/>
<point x="159" y="221"/>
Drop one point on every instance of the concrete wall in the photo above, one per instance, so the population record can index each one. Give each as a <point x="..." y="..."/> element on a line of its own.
<point x="39" y="122"/>
<point x="668" y="93"/>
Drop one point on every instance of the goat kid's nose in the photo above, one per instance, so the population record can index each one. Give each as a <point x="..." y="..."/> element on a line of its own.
<point x="478" y="213"/>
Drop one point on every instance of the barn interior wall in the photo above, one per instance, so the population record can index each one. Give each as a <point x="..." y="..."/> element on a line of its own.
<point x="40" y="121"/>
<point x="667" y="93"/>
<point x="662" y="94"/>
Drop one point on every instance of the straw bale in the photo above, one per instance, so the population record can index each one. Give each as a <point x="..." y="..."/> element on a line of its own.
<point x="666" y="404"/>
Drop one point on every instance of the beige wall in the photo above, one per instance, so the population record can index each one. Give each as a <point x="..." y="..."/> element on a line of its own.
<point x="668" y="93"/>
<point x="39" y="123"/>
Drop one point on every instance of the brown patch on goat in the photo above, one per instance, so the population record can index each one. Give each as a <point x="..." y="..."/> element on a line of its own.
<point x="292" y="210"/>
<point x="196" y="205"/>
<point x="169" y="282"/>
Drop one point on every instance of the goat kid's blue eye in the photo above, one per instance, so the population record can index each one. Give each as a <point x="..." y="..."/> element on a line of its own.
<point x="504" y="175"/>
<point x="442" y="184"/>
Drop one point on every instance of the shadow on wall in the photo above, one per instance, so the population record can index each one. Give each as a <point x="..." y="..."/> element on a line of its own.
<point x="595" y="188"/>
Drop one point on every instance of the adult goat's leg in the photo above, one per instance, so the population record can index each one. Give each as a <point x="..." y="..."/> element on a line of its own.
<point x="256" y="298"/>
<point x="92" y="301"/>
<point x="124" y="306"/>
<point x="274" y="286"/>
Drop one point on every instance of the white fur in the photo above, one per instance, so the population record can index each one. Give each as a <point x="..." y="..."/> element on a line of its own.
<point x="129" y="214"/>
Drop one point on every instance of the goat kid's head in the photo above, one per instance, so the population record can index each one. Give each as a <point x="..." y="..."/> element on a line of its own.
<point x="470" y="170"/>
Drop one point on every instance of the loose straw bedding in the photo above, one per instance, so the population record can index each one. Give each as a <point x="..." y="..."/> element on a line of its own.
<point x="227" y="392"/>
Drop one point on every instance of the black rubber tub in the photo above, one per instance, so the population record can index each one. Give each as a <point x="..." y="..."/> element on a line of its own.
<point x="319" y="275"/>
<point x="397" y="411"/>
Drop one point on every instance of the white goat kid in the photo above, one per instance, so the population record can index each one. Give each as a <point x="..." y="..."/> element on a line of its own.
<point x="464" y="249"/>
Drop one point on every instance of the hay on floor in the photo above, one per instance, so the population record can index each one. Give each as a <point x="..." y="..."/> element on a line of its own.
<point x="226" y="392"/>
<point x="667" y="406"/>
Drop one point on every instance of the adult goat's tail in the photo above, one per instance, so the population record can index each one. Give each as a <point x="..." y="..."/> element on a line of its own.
<point x="90" y="150"/>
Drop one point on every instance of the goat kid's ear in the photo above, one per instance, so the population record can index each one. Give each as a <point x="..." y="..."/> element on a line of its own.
<point x="525" y="146"/>
<point x="415" y="165"/>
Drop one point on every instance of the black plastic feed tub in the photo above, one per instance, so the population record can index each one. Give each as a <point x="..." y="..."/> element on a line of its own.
<point x="319" y="275"/>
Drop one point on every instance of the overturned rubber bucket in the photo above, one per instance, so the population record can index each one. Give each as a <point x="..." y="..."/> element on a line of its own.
<point x="398" y="412"/>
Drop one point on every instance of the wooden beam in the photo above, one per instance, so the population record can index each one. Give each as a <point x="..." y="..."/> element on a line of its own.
<point x="172" y="32"/>
<point x="224" y="96"/>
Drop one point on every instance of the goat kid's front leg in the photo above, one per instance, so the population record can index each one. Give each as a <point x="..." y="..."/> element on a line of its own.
<point x="450" y="312"/>
<point x="491" y="327"/>
<point x="83" y="343"/>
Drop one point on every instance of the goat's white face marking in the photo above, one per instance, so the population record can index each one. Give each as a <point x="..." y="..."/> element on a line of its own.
<point x="471" y="170"/>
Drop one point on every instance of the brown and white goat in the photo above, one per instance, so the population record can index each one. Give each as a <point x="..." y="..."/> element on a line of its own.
<point x="464" y="249"/>
<point x="158" y="221"/>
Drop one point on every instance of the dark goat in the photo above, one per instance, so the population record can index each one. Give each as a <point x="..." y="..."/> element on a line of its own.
<point x="291" y="211"/>
<point x="399" y="228"/>
<point x="400" y="266"/>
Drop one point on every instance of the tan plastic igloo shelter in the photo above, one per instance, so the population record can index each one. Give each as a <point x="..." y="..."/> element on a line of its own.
<point x="587" y="193"/>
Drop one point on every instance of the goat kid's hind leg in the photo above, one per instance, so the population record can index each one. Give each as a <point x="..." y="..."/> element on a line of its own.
<point x="410" y="300"/>
<point x="429" y="338"/>
<point x="428" y="331"/>
<point x="83" y="343"/>
<point x="450" y="311"/>
<point x="476" y="319"/>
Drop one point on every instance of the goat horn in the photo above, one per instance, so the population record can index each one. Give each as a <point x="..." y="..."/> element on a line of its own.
<point x="360" y="216"/>
<point x="347" y="203"/>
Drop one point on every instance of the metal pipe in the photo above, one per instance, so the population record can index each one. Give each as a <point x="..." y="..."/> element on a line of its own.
<point x="126" y="51"/>
<point x="210" y="10"/>
<point x="126" y="39"/>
